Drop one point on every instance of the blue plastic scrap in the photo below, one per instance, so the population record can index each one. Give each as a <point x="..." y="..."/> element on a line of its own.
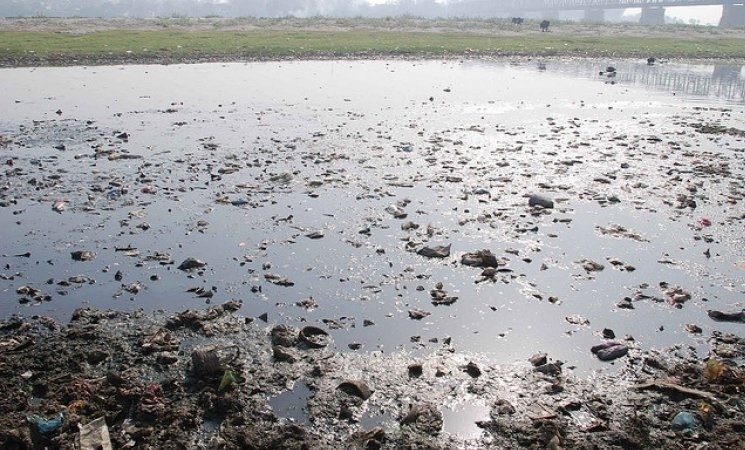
<point x="46" y="426"/>
<point x="685" y="421"/>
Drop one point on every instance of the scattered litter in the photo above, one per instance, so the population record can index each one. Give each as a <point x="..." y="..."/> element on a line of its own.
<point x="191" y="264"/>
<point x="539" y="200"/>
<point x="83" y="255"/>
<point x="46" y="426"/>
<point x="418" y="314"/>
<point x="439" y="251"/>
<point x="610" y="350"/>
<point x="314" y="337"/>
<point x="685" y="422"/>
<point x="210" y="360"/>
<point x="720" y="316"/>
<point x="59" y="206"/>
<point x="357" y="388"/>
<point x="94" y="436"/>
<point x="229" y="379"/>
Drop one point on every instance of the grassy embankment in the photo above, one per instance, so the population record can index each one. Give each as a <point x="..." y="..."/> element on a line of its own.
<point x="41" y="46"/>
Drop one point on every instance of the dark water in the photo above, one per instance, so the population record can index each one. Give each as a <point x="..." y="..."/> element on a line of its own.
<point x="289" y="404"/>
<point x="333" y="144"/>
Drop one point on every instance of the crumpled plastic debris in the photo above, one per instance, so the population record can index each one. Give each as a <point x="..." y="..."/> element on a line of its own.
<point x="229" y="379"/>
<point x="610" y="350"/>
<point x="94" y="436"/>
<point x="685" y="422"/>
<point x="46" y="426"/>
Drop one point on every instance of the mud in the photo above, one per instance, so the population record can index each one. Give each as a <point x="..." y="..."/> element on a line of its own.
<point x="395" y="262"/>
<point x="135" y="370"/>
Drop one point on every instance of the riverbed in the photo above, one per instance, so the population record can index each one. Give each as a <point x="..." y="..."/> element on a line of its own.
<point x="308" y="188"/>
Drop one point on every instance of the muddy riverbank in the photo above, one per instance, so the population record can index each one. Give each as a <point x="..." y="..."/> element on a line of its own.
<point x="144" y="376"/>
<point x="523" y="253"/>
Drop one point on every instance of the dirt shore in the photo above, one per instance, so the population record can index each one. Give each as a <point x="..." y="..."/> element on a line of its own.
<point x="143" y="374"/>
<point x="210" y="377"/>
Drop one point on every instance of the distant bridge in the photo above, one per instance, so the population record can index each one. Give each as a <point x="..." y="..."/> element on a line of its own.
<point x="653" y="11"/>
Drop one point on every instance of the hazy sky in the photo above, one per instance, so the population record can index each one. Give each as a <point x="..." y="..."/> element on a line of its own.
<point x="706" y="15"/>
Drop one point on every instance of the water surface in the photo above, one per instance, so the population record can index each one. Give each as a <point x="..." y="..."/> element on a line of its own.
<point x="305" y="146"/>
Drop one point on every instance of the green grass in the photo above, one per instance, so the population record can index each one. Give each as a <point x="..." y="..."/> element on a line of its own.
<point x="268" y="43"/>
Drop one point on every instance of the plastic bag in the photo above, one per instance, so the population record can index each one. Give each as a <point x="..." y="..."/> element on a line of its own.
<point x="94" y="436"/>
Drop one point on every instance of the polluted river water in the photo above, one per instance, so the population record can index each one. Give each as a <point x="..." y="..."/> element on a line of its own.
<point x="308" y="188"/>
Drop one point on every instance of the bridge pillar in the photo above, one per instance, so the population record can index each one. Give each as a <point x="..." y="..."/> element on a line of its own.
<point x="594" y="15"/>
<point x="732" y="15"/>
<point x="653" y="15"/>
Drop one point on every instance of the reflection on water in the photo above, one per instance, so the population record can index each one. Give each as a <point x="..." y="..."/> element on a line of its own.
<point x="461" y="420"/>
<point x="721" y="81"/>
<point x="290" y="404"/>
<point x="330" y="146"/>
